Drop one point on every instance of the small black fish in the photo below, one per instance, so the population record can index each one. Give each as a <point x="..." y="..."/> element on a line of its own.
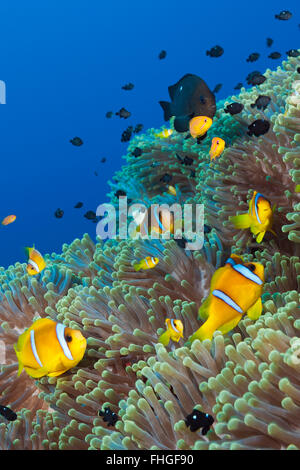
<point x="90" y="215"/>
<point x="128" y="86"/>
<point x="162" y="54"/>
<point x="120" y="192"/>
<point x="103" y="160"/>
<point x="217" y="88"/>
<point x="188" y="161"/>
<point x="207" y="229"/>
<point x="137" y="152"/>
<point x="181" y="242"/>
<point x="238" y="86"/>
<point x="255" y="78"/>
<point x="258" y="127"/>
<point x="234" y="108"/>
<point x="123" y="113"/>
<point x="138" y="128"/>
<point x="78" y="205"/>
<point x="269" y="42"/>
<point x="76" y="141"/>
<point x="109" y="416"/>
<point x="215" y="51"/>
<point x="284" y="15"/>
<point x="274" y="55"/>
<point x="293" y="53"/>
<point x="197" y="419"/>
<point x="261" y="102"/>
<point x="109" y="114"/>
<point x="59" y="213"/>
<point x="7" y="413"/>
<point x="166" y="178"/>
<point x="126" y="135"/>
<point x="253" y="57"/>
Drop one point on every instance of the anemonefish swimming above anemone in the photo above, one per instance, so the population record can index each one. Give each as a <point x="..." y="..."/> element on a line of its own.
<point x="36" y="263"/>
<point x="49" y="348"/>
<point x="235" y="289"/>
<point x="173" y="332"/>
<point x="156" y="219"/>
<point x="259" y="217"/>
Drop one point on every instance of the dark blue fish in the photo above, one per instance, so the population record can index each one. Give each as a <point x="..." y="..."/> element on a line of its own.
<point x="234" y="108"/>
<point x="258" y="127"/>
<point x="7" y="413"/>
<point x="190" y="97"/>
<point x="284" y="15"/>
<point x="215" y="51"/>
<point x="197" y="419"/>
<point x="109" y="416"/>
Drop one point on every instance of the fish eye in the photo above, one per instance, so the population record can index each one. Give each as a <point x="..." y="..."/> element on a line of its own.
<point x="68" y="338"/>
<point x="218" y="142"/>
<point x="251" y="267"/>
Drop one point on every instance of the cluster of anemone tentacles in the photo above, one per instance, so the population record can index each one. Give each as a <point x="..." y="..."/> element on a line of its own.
<point x="248" y="380"/>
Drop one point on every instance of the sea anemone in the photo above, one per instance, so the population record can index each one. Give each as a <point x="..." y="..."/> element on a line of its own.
<point x="248" y="379"/>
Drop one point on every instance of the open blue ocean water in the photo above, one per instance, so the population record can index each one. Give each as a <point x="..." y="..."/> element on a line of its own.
<point x="64" y="63"/>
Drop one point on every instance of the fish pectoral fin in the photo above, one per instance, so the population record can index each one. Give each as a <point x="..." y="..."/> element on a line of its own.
<point x="137" y="266"/>
<point x="21" y="367"/>
<point x="164" y="338"/>
<point x="229" y="325"/>
<point x="260" y="237"/>
<point x="241" y="221"/>
<point x="254" y="312"/>
<point x="274" y="208"/>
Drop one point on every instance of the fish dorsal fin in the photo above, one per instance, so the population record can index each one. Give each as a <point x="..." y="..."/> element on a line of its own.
<point x="254" y="312"/>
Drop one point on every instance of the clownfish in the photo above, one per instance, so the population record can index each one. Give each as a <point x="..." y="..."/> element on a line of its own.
<point x="174" y="332"/>
<point x="259" y="217"/>
<point x="157" y="219"/>
<point x="49" y="348"/>
<point x="9" y="219"/>
<point x="199" y="125"/>
<point x="172" y="190"/>
<point x="164" y="134"/>
<point x="235" y="289"/>
<point x="147" y="263"/>
<point x="36" y="263"/>
<point x="217" y="147"/>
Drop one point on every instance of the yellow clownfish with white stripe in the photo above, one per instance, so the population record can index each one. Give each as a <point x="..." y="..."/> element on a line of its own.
<point x="259" y="217"/>
<point x="49" y="348"/>
<point x="174" y="332"/>
<point x="164" y="134"/>
<point x="147" y="263"/>
<point x="235" y="289"/>
<point x="36" y="263"/>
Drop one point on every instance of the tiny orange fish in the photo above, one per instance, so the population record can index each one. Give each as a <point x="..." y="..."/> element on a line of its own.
<point x="217" y="147"/>
<point x="9" y="219"/>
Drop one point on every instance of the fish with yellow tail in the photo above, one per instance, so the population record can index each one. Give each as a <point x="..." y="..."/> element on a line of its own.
<point x="199" y="126"/>
<point x="164" y="134"/>
<point x="36" y="263"/>
<point x="174" y="332"/>
<point x="217" y="148"/>
<point x="259" y="217"/>
<point x="235" y="290"/>
<point x="147" y="263"/>
<point x="49" y="348"/>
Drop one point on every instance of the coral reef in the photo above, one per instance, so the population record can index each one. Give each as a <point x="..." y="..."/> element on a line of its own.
<point x="249" y="379"/>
